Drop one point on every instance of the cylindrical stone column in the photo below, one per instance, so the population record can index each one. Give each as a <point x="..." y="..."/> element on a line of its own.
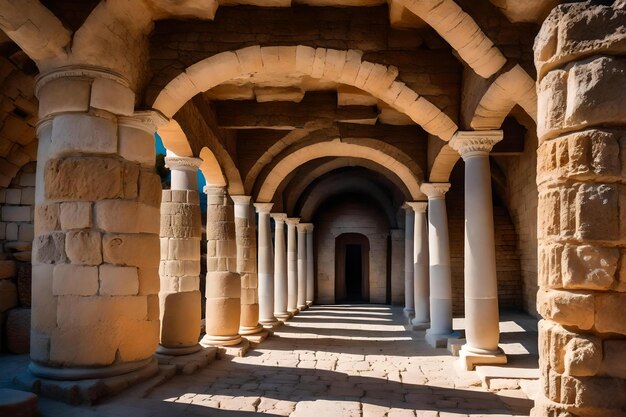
<point x="397" y="266"/>
<point x="245" y="233"/>
<point x="95" y="304"/>
<point x="421" y="284"/>
<point x="302" y="265"/>
<point x="280" y="268"/>
<point x="439" y="266"/>
<point x="223" y="284"/>
<point x="181" y="231"/>
<point x="409" y="226"/>
<point x="310" y="266"/>
<point x="482" y="324"/>
<point x="292" y="266"/>
<point x="266" y="267"/>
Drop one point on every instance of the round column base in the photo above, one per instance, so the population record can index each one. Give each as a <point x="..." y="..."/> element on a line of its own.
<point x="248" y="330"/>
<point x="80" y="373"/>
<point x="409" y="312"/>
<point x="294" y="312"/>
<point x="469" y="359"/>
<point x="418" y="324"/>
<point x="302" y="307"/>
<point x="309" y="303"/>
<point x="283" y="316"/>
<point x="178" y="351"/>
<point x="213" y="340"/>
<point x="270" y="324"/>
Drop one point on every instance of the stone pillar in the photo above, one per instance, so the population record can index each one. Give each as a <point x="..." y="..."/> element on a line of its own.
<point x="302" y="265"/>
<point x="439" y="259"/>
<point x="421" y="285"/>
<point x="245" y="233"/>
<point x="280" y="268"/>
<point x="95" y="304"/>
<point x="292" y="266"/>
<point x="181" y="231"/>
<point x="397" y="266"/>
<point x="580" y="57"/>
<point x="482" y="324"/>
<point x="310" y="266"/>
<point x="409" y="226"/>
<point x="223" y="284"/>
<point x="266" y="267"/>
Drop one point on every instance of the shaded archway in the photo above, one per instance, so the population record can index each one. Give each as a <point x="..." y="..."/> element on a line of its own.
<point x="352" y="268"/>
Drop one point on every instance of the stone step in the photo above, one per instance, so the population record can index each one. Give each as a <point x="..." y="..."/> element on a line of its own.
<point x="188" y="364"/>
<point x="14" y="403"/>
<point x="496" y="378"/>
<point x="144" y="388"/>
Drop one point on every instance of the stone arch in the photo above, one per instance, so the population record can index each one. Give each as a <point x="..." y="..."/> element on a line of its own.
<point x="339" y="66"/>
<point x="394" y="161"/>
<point x="211" y="168"/>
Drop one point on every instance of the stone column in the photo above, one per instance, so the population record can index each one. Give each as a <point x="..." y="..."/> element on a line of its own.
<point x="266" y="267"/>
<point x="223" y="284"/>
<point x="397" y="266"/>
<point x="245" y="233"/>
<point x="580" y="57"/>
<point x="421" y="285"/>
<point x="409" y="226"/>
<point x="292" y="266"/>
<point x="439" y="259"/>
<point x="95" y="304"/>
<point x="280" y="268"/>
<point x="181" y="231"/>
<point x="310" y="266"/>
<point x="302" y="265"/>
<point x="482" y="324"/>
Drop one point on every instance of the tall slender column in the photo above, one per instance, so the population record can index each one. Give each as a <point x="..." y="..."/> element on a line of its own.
<point x="302" y="280"/>
<point x="280" y="268"/>
<point x="397" y="266"/>
<point x="266" y="267"/>
<point x="292" y="266"/>
<point x="421" y="285"/>
<point x="223" y="284"/>
<point x="245" y="232"/>
<point x="181" y="231"/>
<point x="409" y="226"/>
<point x="482" y="324"/>
<point x="310" y="266"/>
<point x="439" y="259"/>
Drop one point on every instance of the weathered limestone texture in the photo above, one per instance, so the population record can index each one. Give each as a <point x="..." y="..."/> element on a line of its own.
<point x="266" y="267"/>
<point x="223" y="284"/>
<point x="580" y="54"/>
<point x="181" y="231"/>
<point x="95" y="271"/>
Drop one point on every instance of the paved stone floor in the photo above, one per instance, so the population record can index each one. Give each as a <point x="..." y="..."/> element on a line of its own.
<point x="330" y="361"/>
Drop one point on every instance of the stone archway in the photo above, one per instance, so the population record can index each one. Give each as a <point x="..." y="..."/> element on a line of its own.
<point x="352" y="251"/>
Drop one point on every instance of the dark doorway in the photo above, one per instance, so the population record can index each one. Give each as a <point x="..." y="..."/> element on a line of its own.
<point x="352" y="268"/>
<point x="354" y="272"/>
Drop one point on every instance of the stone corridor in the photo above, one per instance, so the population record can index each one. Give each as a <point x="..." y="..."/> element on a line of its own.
<point x="341" y="360"/>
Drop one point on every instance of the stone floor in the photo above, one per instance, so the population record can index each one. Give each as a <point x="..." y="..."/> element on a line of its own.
<point x="340" y="360"/>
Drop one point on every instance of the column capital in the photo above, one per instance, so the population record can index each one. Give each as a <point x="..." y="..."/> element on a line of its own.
<point x="475" y="143"/>
<point x="263" y="208"/>
<point x="305" y="227"/>
<point x="241" y="200"/>
<point x="214" y="189"/>
<point x="147" y="120"/>
<point x="292" y="221"/>
<point x="279" y="217"/>
<point x="185" y="163"/>
<point x="416" y="206"/>
<point x="435" y="190"/>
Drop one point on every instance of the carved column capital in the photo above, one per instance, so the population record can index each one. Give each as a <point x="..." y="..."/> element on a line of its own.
<point x="475" y="143"/>
<point x="435" y="190"/>
<point x="263" y="208"/>
<point x="182" y="163"/>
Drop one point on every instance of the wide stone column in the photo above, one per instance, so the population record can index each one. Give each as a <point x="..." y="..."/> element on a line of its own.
<point x="280" y="268"/>
<point x="439" y="259"/>
<point x="292" y="266"/>
<point x="482" y="324"/>
<point x="245" y="234"/>
<point x="310" y="266"/>
<point x="421" y="285"/>
<point x="266" y="267"/>
<point x="409" y="226"/>
<point x="95" y="304"/>
<point x="302" y="266"/>
<point x="580" y="55"/>
<point x="223" y="283"/>
<point x="181" y="231"/>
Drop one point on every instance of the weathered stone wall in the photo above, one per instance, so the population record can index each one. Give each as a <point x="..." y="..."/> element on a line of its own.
<point x="580" y="55"/>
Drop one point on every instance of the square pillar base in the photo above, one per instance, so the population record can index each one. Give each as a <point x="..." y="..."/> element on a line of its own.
<point x="236" y="351"/>
<point x="188" y="364"/>
<point x="257" y="338"/>
<point x="409" y="314"/>
<point x="440" y="340"/>
<point x="419" y="326"/>
<point x="469" y="360"/>
<point x="455" y="345"/>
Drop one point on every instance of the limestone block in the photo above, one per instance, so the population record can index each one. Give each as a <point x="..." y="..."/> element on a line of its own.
<point x="8" y="295"/>
<point x="335" y="62"/>
<point x="550" y="258"/>
<point x="16" y="213"/>
<point x="26" y="232"/>
<point x="8" y="269"/>
<point x="24" y="284"/>
<point x="78" y="311"/>
<point x="179" y="196"/>
<point x="89" y="345"/>
<point x="69" y="279"/>
<point x="75" y="133"/>
<point x="613" y="362"/>
<point x="39" y="346"/>
<point x="144" y="341"/>
<point x="136" y="145"/>
<point x="551" y="103"/>
<point x="141" y="250"/>
<point x="121" y="216"/>
<point x="593" y="392"/>
<point x="351" y="67"/>
<point x="46" y="218"/>
<point x="250" y="59"/>
<point x="11" y="231"/>
<point x="64" y="95"/>
<point x="179" y="268"/>
<point x="18" y="330"/>
<point x="609" y="313"/>
<point x="180" y="318"/>
<point x="149" y="188"/>
<point x="84" y="247"/>
<point x="305" y="56"/>
<point x="184" y="249"/>
<point x="188" y="283"/>
<point x="597" y="212"/>
<point x="50" y="248"/>
<point x="583" y="356"/>
<point x="27" y="180"/>
<point x="75" y="215"/>
<point x="213" y="71"/>
<point x="13" y="196"/>
<point x="109" y="95"/>
<point x="118" y="280"/>
<point x="223" y="285"/>
<point x="28" y="196"/>
<point x="44" y="316"/>
<point x="224" y="314"/>
<point x="567" y="308"/>
<point x="589" y="267"/>
<point x="148" y="280"/>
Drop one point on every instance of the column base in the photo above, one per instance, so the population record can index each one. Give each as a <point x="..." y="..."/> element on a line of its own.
<point x="303" y="307"/>
<point x="84" y="385"/>
<point x="419" y="325"/>
<point x="294" y="312"/>
<point x="257" y="338"/>
<point x="271" y="324"/>
<point x="283" y="316"/>
<point x="309" y="303"/>
<point x="245" y="330"/>
<point x="409" y="313"/>
<point x="188" y="363"/>
<point x="440" y="340"/>
<point x="177" y="351"/>
<point x="212" y="340"/>
<point x="237" y="351"/>
<point x="469" y="359"/>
